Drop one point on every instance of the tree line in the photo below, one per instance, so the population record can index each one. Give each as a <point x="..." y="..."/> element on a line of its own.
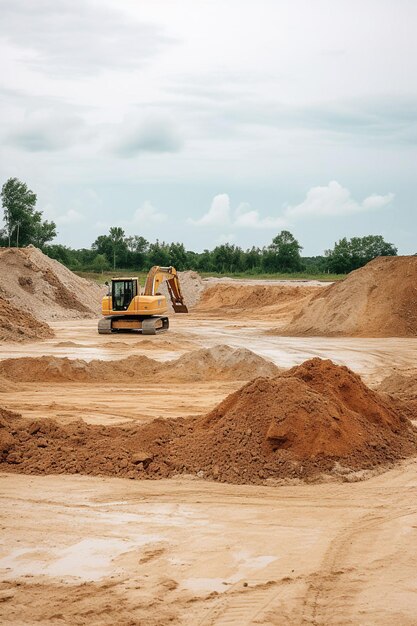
<point x="23" y="225"/>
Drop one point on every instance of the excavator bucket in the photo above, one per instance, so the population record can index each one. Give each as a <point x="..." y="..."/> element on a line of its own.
<point x="179" y="308"/>
<point x="175" y="294"/>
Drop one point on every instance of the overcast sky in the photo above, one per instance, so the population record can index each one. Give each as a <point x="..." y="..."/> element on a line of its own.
<point x="207" y="121"/>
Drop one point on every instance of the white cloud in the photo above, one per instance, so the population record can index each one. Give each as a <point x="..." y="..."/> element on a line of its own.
<point x="148" y="213"/>
<point x="218" y="213"/>
<point x="335" y="200"/>
<point x="221" y="214"/>
<point x="245" y="217"/>
<point x="70" y="217"/>
<point x="46" y="131"/>
<point x="79" y="36"/>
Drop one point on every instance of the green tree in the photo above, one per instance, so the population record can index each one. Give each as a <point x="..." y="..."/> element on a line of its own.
<point x="112" y="245"/>
<point x="159" y="254"/>
<point x="348" y="255"/>
<point x="23" y="224"/>
<point x="117" y="238"/>
<point x="283" y="255"/>
<point x="137" y="247"/>
<point x="227" y="258"/>
<point x="178" y="256"/>
<point x="100" y="263"/>
<point x="43" y="232"/>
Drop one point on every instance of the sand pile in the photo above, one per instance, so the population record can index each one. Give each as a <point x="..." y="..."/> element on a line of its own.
<point x="217" y="363"/>
<point x="192" y="286"/>
<point x="378" y="300"/>
<point x="298" y="424"/>
<point x="317" y="418"/>
<point x="18" y="326"/>
<point x="402" y="388"/>
<point x="34" y="283"/>
<point x="255" y="300"/>
<point x="220" y="362"/>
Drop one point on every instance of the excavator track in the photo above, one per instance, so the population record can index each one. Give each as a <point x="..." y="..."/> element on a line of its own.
<point x="104" y="326"/>
<point x="147" y="326"/>
<point x="154" y="325"/>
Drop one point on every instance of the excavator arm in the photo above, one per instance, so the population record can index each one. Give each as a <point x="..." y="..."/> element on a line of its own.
<point x="156" y="276"/>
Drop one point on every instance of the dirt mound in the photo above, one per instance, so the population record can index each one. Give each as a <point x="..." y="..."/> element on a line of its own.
<point x="298" y="424"/>
<point x="378" y="300"/>
<point x="316" y="418"/>
<point x="402" y="388"/>
<point x="33" y="282"/>
<point x="50" y="369"/>
<point x="256" y="301"/>
<point x="221" y="362"/>
<point x="18" y="326"/>
<point x="400" y="384"/>
<point x="192" y="286"/>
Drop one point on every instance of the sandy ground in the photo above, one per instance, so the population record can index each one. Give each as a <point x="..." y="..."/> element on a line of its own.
<point x="109" y="551"/>
<point x="82" y="550"/>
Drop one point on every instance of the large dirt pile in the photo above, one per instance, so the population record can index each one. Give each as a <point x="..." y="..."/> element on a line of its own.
<point x="217" y="363"/>
<point x="34" y="283"/>
<point x="317" y="418"/>
<point x="378" y="300"/>
<point x="297" y="424"/>
<point x="18" y="326"/>
<point x="255" y="301"/>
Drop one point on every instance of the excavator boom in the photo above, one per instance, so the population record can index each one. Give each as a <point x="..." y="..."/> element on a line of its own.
<point x="156" y="276"/>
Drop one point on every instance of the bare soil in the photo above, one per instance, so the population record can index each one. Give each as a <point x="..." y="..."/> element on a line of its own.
<point x="378" y="300"/>
<point x="44" y="288"/>
<point x="19" y="326"/>
<point x="194" y="550"/>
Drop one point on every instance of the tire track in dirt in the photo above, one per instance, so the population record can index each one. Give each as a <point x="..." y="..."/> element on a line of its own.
<point x="242" y="605"/>
<point x="319" y="603"/>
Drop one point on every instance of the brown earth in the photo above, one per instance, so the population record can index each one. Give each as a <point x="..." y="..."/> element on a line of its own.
<point x="317" y="418"/>
<point x="378" y="300"/>
<point x="220" y="362"/>
<point x="45" y="288"/>
<point x="17" y="325"/>
<point x="254" y="301"/>
<point x="402" y="387"/>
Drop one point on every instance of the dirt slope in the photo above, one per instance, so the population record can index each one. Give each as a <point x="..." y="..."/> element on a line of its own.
<point x="378" y="300"/>
<point x="255" y="301"/>
<point x="18" y="326"/>
<point x="402" y="387"/>
<point x="34" y="283"/>
<point x="220" y="362"/>
<point x="316" y="418"/>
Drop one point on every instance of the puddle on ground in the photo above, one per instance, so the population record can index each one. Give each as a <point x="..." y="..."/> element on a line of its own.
<point x="87" y="560"/>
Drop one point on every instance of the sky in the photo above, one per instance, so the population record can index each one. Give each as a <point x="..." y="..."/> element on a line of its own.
<point x="208" y="121"/>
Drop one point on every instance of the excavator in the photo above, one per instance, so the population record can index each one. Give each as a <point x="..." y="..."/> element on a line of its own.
<point x="125" y="308"/>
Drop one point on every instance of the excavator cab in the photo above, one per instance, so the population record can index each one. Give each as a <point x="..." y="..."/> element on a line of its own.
<point x="122" y="292"/>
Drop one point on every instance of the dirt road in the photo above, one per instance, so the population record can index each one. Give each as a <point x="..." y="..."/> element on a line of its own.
<point x="107" y="551"/>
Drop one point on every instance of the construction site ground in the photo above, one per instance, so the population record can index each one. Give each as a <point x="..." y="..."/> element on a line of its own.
<point x="187" y="551"/>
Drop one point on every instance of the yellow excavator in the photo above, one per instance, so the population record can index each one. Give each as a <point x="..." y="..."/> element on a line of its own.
<point x="125" y="308"/>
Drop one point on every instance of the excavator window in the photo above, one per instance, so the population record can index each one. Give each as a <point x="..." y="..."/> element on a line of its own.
<point x="123" y="291"/>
